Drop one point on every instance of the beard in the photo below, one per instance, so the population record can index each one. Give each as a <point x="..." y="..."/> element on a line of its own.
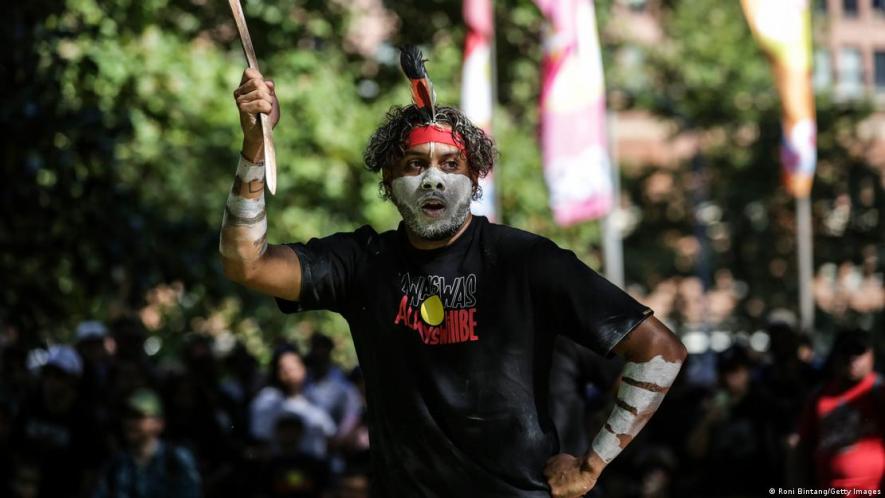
<point x="433" y="214"/>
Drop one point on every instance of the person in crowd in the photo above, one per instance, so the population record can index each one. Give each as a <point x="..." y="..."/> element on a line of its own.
<point x="285" y="392"/>
<point x="786" y="383"/>
<point x="25" y="478"/>
<point x="728" y="441"/>
<point x="839" y="442"/>
<point x="328" y="388"/>
<point x="354" y="444"/>
<point x="54" y="426"/>
<point x="95" y="347"/>
<point x="197" y="416"/>
<point x="149" y="467"/>
<point x="354" y="482"/>
<point x="92" y="345"/>
<point x="290" y="472"/>
<point x="240" y="384"/>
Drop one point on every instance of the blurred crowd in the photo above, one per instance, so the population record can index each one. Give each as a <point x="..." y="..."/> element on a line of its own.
<point x="99" y="418"/>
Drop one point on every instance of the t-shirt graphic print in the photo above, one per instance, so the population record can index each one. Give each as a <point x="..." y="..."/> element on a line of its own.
<point x="440" y="312"/>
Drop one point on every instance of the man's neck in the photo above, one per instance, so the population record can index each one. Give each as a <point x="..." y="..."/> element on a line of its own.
<point x="426" y="245"/>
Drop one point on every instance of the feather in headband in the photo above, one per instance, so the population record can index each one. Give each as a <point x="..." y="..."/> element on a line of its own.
<point x="412" y="61"/>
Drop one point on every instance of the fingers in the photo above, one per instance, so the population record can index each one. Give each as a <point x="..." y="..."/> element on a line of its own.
<point x="259" y="94"/>
<point x="253" y="80"/>
<point x="255" y="94"/>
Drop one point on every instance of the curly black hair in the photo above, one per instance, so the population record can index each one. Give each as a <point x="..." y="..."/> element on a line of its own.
<point x="388" y="144"/>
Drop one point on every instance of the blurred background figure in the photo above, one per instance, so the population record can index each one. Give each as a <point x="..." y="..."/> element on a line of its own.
<point x="290" y="472"/>
<point x="840" y="437"/>
<point x="329" y="389"/>
<point x="25" y="478"/>
<point x="149" y="467"/>
<point x="285" y="392"/>
<point x="729" y="443"/>
<point x="354" y="483"/>
<point x="53" y="426"/>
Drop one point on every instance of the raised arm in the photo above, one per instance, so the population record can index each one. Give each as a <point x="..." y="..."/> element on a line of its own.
<point x="245" y="254"/>
<point x="654" y="356"/>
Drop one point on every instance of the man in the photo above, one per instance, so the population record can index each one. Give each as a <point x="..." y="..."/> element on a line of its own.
<point x="328" y="388"/>
<point x="453" y="318"/>
<point x="149" y="467"/>
<point x="54" y="426"/>
<point x="840" y="437"/>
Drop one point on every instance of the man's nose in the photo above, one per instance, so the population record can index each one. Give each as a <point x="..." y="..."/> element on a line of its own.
<point x="432" y="180"/>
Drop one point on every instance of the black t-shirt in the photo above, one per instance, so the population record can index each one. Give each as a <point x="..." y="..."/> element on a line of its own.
<point x="455" y="344"/>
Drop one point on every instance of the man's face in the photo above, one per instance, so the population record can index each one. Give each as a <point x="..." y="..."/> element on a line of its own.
<point x="59" y="389"/>
<point x="431" y="188"/>
<point x="140" y="429"/>
<point x="855" y="367"/>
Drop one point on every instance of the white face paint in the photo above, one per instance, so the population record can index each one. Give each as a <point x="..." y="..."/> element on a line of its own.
<point x="434" y="204"/>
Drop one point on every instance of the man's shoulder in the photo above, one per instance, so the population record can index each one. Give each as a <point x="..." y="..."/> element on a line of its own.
<point x="511" y="240"/>
<point x="362" y="239"/>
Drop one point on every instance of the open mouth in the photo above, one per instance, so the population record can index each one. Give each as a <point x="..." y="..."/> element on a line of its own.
<point x="433" y="208"/>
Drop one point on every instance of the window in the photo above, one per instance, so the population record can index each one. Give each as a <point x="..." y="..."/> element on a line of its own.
<point x="822" y="77"/>
<point x="879" y="65"/>
<point x="850" y="82"/>
<point x="849" y="8"/>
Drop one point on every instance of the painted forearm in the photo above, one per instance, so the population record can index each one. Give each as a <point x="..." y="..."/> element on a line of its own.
<point x="643" y="387"/>
<point x="244" y="226"/>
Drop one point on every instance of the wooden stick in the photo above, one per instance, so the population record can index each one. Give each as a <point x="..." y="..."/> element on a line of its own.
<point x="270" y="156"/>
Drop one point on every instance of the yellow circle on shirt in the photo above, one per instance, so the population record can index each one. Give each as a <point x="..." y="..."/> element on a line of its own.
<point x="432" y="310"/>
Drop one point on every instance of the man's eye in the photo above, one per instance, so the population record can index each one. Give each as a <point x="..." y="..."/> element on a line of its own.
<point x="451" y="164"/>
<point x="414" y="164"/>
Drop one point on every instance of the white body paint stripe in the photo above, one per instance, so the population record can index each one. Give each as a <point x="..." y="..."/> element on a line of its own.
<point x="606" y="445"/>
<point x="656" y="371"/>
<point x="248" y="172"/>
<point x="245" y="208"/>
<point x="639" y="398"/>
<point x="623" y="422"/>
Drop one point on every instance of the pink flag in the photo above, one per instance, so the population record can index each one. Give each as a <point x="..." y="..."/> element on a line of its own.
<point x="476" y="85"/>
<point x="573" y="136"/>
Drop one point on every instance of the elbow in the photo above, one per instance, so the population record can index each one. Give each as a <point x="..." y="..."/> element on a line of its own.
<point x="671" y="348"/>
<point x="679" y="351"/>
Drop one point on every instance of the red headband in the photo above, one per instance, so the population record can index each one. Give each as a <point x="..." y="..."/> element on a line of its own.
<point x="434" y="133"/>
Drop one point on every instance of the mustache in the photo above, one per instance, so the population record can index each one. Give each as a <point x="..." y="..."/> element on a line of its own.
<point x="433" y="196"/>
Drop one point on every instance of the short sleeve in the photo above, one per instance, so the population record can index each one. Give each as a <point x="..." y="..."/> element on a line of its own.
<point x="328" y="265"/>
<point x="580" y="303"/>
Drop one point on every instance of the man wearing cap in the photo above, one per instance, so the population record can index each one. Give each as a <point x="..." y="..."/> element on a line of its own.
<point x="841" y="437"/>
<point x="53" y="427"/>
<point x="149" y="467"/>
<point x="453" y="317"/>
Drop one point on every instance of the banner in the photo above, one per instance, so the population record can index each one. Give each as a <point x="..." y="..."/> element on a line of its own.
<point x="573" y="134"/>
<point x="476" y="86"/>
<point x="783" y="30"/>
